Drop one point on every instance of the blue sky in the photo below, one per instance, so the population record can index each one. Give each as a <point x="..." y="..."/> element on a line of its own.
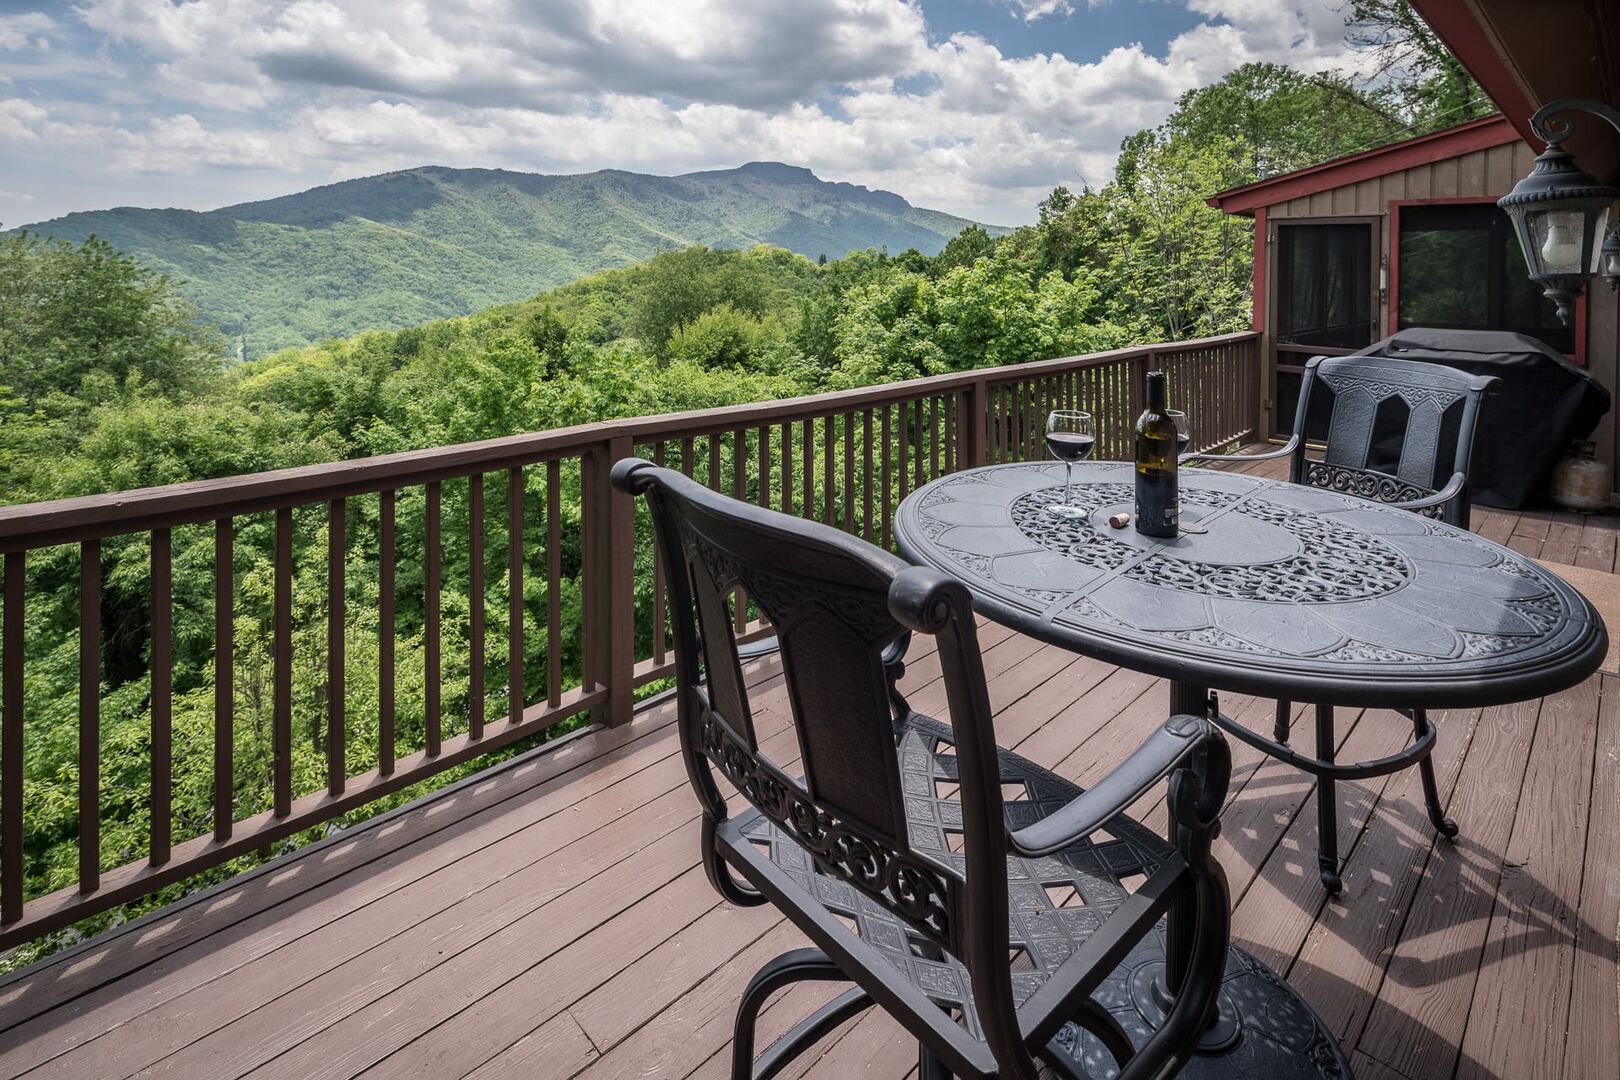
<point x="978" y="107"/>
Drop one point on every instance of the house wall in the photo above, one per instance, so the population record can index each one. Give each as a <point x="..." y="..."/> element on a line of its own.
<point x="1488" y="173"/>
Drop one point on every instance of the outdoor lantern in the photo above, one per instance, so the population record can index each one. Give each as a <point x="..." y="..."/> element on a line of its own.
<point x="1564" y="218"/>
<point x="1609" y="257"/>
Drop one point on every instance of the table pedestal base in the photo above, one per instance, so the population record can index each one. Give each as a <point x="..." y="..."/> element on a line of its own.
<point x="1265" y="1029"/>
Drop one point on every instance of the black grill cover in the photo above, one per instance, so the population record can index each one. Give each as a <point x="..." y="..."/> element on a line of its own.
<point x="1545" y="402"/>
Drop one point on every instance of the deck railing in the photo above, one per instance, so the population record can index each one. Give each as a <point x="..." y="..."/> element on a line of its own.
<point x="511" y="590"/>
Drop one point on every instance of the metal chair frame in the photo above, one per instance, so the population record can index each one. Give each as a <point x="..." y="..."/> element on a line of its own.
<point x="839" y="606"/>
<point x="1361" y="385"/>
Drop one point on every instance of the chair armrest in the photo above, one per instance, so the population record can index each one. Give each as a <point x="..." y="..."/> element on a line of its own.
<point x="1453" y="488"/>
<point x="1282" y="451"/>
<point x="1156" y="758"/>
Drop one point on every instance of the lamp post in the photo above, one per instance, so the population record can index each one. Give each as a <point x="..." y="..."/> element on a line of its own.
<point x="1566" y="221"/>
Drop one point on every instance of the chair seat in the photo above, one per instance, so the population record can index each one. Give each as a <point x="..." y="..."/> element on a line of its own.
<point x="1055" y="902"/>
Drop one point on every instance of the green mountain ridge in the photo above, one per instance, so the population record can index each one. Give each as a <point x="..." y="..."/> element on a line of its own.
<point x="403" y="248"/>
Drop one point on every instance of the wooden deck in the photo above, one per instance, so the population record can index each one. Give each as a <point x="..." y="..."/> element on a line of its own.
<point x="549" y="918"/>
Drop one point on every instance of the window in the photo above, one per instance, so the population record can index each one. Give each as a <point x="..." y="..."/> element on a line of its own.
<point x="1461" y="268"/>
<point x="1324" y="285"/>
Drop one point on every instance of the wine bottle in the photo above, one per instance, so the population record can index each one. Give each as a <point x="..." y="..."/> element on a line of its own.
<point x="1157" y="498"/>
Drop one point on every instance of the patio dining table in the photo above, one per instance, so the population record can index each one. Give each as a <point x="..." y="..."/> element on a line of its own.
<point x="1287" y="591"/>
<point x="1273" y="589"/>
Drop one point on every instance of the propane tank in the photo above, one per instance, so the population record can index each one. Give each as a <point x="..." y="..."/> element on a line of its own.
<point x="1580" y="481"/>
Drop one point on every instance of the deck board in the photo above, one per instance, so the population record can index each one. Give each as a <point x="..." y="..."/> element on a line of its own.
<point x="550" y="919"/>
<point x="1416" y="1021"/>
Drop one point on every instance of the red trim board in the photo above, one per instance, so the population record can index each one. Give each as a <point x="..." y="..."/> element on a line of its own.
<point x="1406" y="154"/>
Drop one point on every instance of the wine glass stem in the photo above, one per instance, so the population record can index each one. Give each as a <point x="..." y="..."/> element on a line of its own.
<point x="1068" y="480"/>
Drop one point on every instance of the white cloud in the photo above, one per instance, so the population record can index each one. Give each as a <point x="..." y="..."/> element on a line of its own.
<point x="551" y="56"/>
<point x="1031" y="10"/>
<point x="855" y="89"/>
<point x="20" y="120"/>
<point x="27" y="30"/>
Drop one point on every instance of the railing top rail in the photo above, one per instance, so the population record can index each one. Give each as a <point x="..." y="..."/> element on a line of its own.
<point x="42" y="524"/>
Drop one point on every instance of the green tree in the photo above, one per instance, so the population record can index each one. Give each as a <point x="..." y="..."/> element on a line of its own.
<point x="965" y="248"/>
<point x="1413" y="66"/>
<point x="1277" y="119"/>
<point x="69" y="314"/>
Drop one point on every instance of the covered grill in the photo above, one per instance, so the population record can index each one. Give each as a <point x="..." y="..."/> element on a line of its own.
<point x="1545" y="403"/>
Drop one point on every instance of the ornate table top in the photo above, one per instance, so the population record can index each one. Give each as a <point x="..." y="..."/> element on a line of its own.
<point x="1292" y="592"/>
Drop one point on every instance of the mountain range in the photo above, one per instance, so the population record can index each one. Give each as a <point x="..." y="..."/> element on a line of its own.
<point x="401" y="248"/>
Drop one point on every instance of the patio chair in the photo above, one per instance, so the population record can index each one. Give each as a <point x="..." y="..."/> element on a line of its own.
<point x="961" y="888"/>
<point x="1384" y="412"/>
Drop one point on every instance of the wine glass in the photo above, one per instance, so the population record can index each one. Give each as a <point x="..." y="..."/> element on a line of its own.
<point x="1183" y="432"/>
<point x="1069" y="438"/>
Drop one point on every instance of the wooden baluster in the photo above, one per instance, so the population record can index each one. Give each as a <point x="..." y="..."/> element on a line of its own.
<point x="919" y="475"/>
<point x="11" y="741"/>
<point x="660" y="630"/>
<point x="786" y="436"/>
<point x="1032" y="406"/>
<point x="386" y="601"/>
<point x="516" y="697"/>
<point x="763" y="439"/>
<point x="992" y="424"/>
<point x="1009" y="419"/>
<point x="714" y="462"/>
<point x="431" y="571"/>
<point x="224" y="679"/>
<point x="869" y="522"/>
<point x="933" y="436"/>
<point x="1214" y="396"/>
<point x="337" y="770"/>
<point x="281" y="690"/>
<point x="1093" y="398"/>
<point x="1021" y="407"/>
<point x="475" y="606"/>
<point x="886" y="454"/>
<point x="614" y="537"/>
<point x="828" y="501"/>
<point x="849" y="473"/>
<point x="89" y="716"/>
<point x="809" y="437"/>
<point x="554" y="641"/>
<point x="739" y="491"/>
<point x="1009" y="403"/>
<point x="903" y="423"/>
<point x="1119" y="410"/>
<point x="162" y="755"/>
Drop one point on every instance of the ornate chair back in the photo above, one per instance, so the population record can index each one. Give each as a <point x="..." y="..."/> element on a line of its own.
<point x="1424" y="406"/>
<point x="828" y="596"/>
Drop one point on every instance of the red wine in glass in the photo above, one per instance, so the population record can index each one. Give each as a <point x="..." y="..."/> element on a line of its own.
<point x="1069" y="438"/>
<point x="1070" y="445"/>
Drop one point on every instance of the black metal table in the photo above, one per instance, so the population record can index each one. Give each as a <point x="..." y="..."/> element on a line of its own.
<point x="1293" y="592"/>
<point x="1284" y="591"/>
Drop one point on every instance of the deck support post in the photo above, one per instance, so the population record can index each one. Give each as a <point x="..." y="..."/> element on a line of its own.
<point x="971" y="424"/>
<point x="612" y="543"/>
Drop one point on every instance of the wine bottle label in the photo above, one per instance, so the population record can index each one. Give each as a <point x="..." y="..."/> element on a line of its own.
<point x="1157" y="512"/>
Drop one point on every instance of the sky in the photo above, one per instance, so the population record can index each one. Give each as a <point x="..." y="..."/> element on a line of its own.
<point x="976" y="107"/>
